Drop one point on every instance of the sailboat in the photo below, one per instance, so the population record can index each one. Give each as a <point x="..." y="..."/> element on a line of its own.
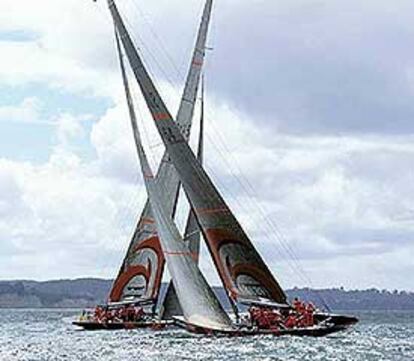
<point x="139" y="278"/>
<point x="244" y="274"/>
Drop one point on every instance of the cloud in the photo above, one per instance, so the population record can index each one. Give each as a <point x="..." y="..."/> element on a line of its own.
<point x="309" y="134"/>
<point x="317" y="191"/>
<point x="53" y="55"/>
<point x="27" y="111"/>
<point x="62" y="219"/>
<point x="68" y="128"/>
<point x="317" y="67"/>
<point x="329" y="200"/>
<point x="277" y="62"/>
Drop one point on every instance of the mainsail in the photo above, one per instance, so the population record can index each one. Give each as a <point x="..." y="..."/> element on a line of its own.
<point x="171" y="307"/>
<point x="198" y="302"/>
<point x="141" y="272"/>
<point x="241" y="268"/>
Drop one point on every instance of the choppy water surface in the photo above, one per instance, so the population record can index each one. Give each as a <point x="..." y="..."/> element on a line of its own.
<point x="40" y="335"/>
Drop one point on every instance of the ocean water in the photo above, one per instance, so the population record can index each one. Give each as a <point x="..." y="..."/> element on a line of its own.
<point x="47" y="335"/>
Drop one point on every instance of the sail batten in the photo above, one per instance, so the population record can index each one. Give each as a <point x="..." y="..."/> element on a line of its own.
<point x="144" y="263"/>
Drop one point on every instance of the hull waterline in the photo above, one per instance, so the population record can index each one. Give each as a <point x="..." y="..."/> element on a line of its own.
<point x="96" y="326"/>
<point x="327" y="324"/>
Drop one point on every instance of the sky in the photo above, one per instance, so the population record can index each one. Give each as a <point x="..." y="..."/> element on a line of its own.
<point x="310" y="134"/>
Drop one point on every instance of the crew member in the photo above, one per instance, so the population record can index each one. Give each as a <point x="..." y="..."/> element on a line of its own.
<point x="309" y="314"/>
<point x="298" y="306"/>
<point x="291" y="320"/>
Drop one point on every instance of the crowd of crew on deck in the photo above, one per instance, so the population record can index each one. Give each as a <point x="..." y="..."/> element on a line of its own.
<point x="300" y="316"/>
<point x="104" y="314"/>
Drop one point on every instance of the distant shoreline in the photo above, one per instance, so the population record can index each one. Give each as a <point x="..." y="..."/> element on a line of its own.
<point x="86" y="293"/>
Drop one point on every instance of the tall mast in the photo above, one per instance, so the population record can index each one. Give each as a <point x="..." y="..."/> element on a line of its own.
<point x="141" y="272"/>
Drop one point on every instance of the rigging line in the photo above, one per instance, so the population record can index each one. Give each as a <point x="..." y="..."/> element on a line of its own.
<point x="275" y="229"/>
<point x="147" y="139"/>
<point x="224" y="186"/>
<point x="158" y="39"/>
<point x="121" y="215"/>
<point x="263" y="213"/>
<point x="137" y="39"/>
<point x="179" y="71"/>
<point x="129" y="204"/>
<point x="233" y="164"/>
<point x="241" y="205"/>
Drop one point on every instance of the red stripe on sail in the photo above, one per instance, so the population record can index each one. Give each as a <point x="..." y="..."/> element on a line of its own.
<point x="161" y="116"/>
<point x="125" y="277"/>
<point x="147" y="221"/>
<point x="212" y="210"/>
<point x="143" y="270"/>
<point x="198" y="62"/>
<point x="216" y="239"/>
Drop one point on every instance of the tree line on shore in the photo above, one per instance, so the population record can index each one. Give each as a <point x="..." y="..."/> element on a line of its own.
<point x="83" y="293"/>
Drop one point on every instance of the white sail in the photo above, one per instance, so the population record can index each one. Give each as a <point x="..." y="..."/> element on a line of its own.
<point x="171" y="307"/>
<point x="198" y="302"/>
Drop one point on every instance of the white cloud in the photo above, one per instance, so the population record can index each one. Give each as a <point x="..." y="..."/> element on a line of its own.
<point x="318" y="190"/>
<point x="52" y="54"/>
<point x="27" y="111"/>
<point x="60" y="219"/>
<point x="71" y="44"/>
<point x="338" y="200"/>
<point x="69" y="128"/>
